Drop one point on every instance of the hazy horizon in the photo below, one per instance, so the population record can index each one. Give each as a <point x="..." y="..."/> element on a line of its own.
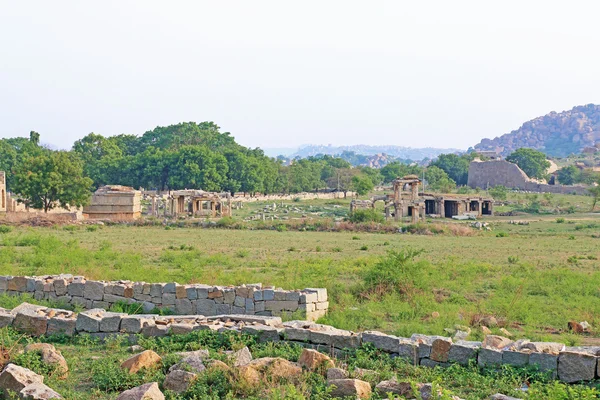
<point x="278" y="75"/>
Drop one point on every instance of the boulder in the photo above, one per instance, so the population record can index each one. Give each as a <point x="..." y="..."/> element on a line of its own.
<point x="145" y="359"/>
<point x="500" y="396"/>
<point x="30" y="319"/>
<point x="149" y="391"/>
<point x="395" y="388"/>
<point x="496" y="342"/>
<point x="219" y="365"/>
<point x="16" y="378"/>
<point x="440" y="349"/>
<point x="50" y="356"/>
<point x="38" y="391"/>
<point x="576" y="367"/>
<point x="191" y="361"/>
<point x="336" y="373"/>
<point x="241" y="357"/>
<point x="278" y="368"/>
<point x="313" y="360"/>
<point x="350" y="388"/>
<point x="179" y="381"/>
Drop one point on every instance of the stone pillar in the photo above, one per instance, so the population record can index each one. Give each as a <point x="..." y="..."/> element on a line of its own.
<point x="2" y="191"/>
<point x="480" y="208"/>
<point x="153" y="209"/>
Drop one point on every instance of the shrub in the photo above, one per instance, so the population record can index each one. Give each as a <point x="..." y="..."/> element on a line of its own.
<point x="5" y="229"/>
<point x="397" y="272"/>
<point x="371" y="215"/>
<point x="498" y="192"/>
<point x="226" y="222"/>
<point x="243" y="253"/>
<point x="364" y="248"/>
<point x="513" y="259"/>
<point x="560" y="220"/>
<point x="501" y="234"/>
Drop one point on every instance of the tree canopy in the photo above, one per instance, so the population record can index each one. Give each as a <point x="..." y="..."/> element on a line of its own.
<point x="531" y="161"/>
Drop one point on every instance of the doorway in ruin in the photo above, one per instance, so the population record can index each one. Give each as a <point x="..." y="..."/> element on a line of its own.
<point x="450" y="208"/>
<point x="474" y="206"/>
<point x="430" y="207"/>
<point x="486" y="208"/>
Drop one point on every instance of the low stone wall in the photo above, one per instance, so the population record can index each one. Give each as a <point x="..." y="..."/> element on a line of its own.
<point x="569" y="364"/>
<point x="288" y="197"/>
<point x="182" y="299"/>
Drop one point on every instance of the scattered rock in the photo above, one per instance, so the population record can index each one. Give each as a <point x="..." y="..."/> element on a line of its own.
<point x="145" y="359"/>
<point x="485" y="330"/>
<point x="38" y="391"/>
<point x="217" y="364"/>
<point x="496" y="342"/>
<point x="505" y="332"/>
<point x="350" y="387"/>
<point x="136" y="348"/>
<point x="273" y="367"/>
<point x="575" y="327"/>
<point x="435" y="314"/>
<point x="489" y="321"/>
<point x="16" y="378"/>
<point x="241" y="357"/>
<point x="336" y="373"/>
<point x="50" y="356"/>
<point x="586" y="326"/>
<point x="191" y="361"/>
<point x="179" y="381"/>
<point x="500" y="396"/>
<point x="394" y="387"/>
<point x="148" y="391"/>
<point x="440" y="349"/>
<point x="313" y="360"/>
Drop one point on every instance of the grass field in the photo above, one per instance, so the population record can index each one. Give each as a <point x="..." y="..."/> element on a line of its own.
<point x="534" y="278"/>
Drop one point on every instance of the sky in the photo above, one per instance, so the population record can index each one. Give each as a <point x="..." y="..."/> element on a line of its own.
<point x="281" y="74"/>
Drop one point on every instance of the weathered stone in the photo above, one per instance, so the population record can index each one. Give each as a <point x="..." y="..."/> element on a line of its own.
<point x="281" y="305"/>
<point x="180" y="329"/>
<point x="15" y="378"/>
<point x="408" y="350"/>
<point x="61" y="325"/>
<point x="545" y="362"/>
<point x="148" y="391"/>
<point x="515" y="358"/>
<point x="297" y="334"/>
<point x="50" y="356"/>
<point x="462" y="352"/>
<point x="440" y="349"/>
<point x="168" y="299"/>
<point x="30" y="319"/>
<point x="156" y="290"/>
<point x="336" y="373"/>
<point x="395" y="388"/>
<point x="350" y="388"/>
<point x="93" y="290"/>
<point x="89" y="320"/>
<point x="206" y="307"/>
<point x="382" y="341"/>
<point x="6" y="318"/>
<point x="575" y="367"/>
<point x="219" y="365"/>
<point x="111" y="322"/>
<point x="60" y="287"/>
<point x="154" y="330"/>
<point x="223" y="309"/>
<point x="314" y="360"/>
<point x="241" y="357"/>
<point x="489" y="357"/>
<point x="496" y="342"/>
<point x="169" y="287"/>
<point x="146" y="359"/>
<point x="544" y="347"/>
<point x="499" y="396"/>
<point x="18" y="284"/>
<point x="274" y="367"/>
<point x="184" y="306"/>
<point x="180" y="292"/>
<point x="321" y="293"/>
<point x="191" y="361"/>
<point x="38" y="391"/>
<point x="179" y="381"/>
<point x="134" y="323"/>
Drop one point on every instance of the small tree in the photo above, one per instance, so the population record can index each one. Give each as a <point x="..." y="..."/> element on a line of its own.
<point x="52" y="179"/>
<point x="362" y="184"/>
<point x="595" y="192"/>
<point x="569" y="175"/>
<point x="498" y="192"/>
<point x="438" y="179"/>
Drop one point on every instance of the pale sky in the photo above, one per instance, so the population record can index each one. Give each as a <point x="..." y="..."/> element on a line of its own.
<point x="281" y="73"/>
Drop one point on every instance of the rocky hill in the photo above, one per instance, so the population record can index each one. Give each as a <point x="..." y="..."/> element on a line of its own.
<point x="556" y="134"/>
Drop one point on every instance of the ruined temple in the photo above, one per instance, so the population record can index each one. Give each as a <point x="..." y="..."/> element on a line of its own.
<point x="199" y="203"/>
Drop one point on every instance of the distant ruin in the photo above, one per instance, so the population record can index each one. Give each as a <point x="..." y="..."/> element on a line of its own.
<point x="487" y="174"/>
<point x="407" y="201"/>
<point x="115" y="202"/>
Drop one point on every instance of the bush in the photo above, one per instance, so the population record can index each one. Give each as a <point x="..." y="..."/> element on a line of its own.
<point x="502" y="234"/>
<point x="498" y="192"/>
<point x="226" y="222"/>
<point x="397" y="272"/>
<point x="370" y="215"/>
<point x="5" y="229"/>
<point x="560" y="220"/>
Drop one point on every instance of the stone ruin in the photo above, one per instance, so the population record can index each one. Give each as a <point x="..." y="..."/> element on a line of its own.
<point x="114" y="202"/>
<point x="208" y="300"/>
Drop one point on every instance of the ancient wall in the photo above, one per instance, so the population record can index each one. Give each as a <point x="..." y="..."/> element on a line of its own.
<point x="182" y="299"/>
<point x="114" y="202"/>
<point x="487" y="174"/>
<point x="290" y="197"/>
<point x="569" y="364"/>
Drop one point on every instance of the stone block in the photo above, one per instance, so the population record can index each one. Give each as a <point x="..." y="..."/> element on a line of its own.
<point x="89" y="320"/>
<point x="408" y="351"/>
<point x="280" y="295"/>
<point x="381" y="341"/>
<point x="128" y="293"/>
<point x="156" y="290"/>
<point x="169" y="288"/>
<point x="292" y="296"/>
<point x="322" y="305"/>
<point x="297" y="334"/>
<point x="6" y="318"/>
<point x="203" y="292"/>
<point x="424" y="350"/>
<point x="76" y="289"/>
<point x="93" y="290"/>
<point x="515" y="358"/>
<point x="191" y="293"/>
<point x="308" y="298"/>
<point x="228" y="296"/>
<point x="153" y="330"/>
<point x="238" y="310"/>
<point x="168" y="299"/>
<point x="118" y="290"/>
<point x="100" y="304"/>
<point x="258" y="295"/>
<point x="268" y="294"/>
<point x="206" y="307"/>
<point x="30" y="319"/>
<point x="282" y="305"/>
<point x="18" y="284"/>
<point x="263" y="333"/>
<point x="61" y="326"/>
<point x="489" y="357"/>
<point x="462" y="352"/>
<point x="223" y="309"/>
<point x="576" y="367"/>
<point x="180" y="329"/>
<point x="259" y="306"/>
<point x="239" y="301"/>
<point x="321" y="293"/>
<point x="76" y="300"/>
<point x="111" y="322"/>
<point x="180" y="292"/>
<point x="545" y="362"/>
<point x="184" y="307"/>
<point x="60" y="287"/>
<point x="134" y="323"/>
<point x="215" y="294"/>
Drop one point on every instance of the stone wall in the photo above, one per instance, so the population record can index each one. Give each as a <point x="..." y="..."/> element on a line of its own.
<point x="487" y="174"/>
<point x="289" y="197"/>
<point x="182" y="299"/>
<point x="569" y="364"/>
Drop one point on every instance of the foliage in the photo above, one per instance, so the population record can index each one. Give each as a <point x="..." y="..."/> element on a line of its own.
<point x="457" y="167"/>
<point x="531" y="161"/>
<point x="370" y="215"/>
<point x="568" y="175"/>
<point x="397" y="169"/>
<point x="397" y="272"/>
<point x="438" y="180"/>
<point x="362" y="184"/>
<point x="498" y="192"/>
<point x="52" y="179"/>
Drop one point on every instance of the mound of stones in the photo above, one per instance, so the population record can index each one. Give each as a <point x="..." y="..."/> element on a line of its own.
<point x="24" y="383"/>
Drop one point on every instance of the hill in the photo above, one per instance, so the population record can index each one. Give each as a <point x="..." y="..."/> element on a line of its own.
<point x="405" y="153"/>
<point x="556" y="134"/>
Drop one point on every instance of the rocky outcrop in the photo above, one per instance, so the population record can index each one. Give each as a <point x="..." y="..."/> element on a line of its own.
<point x="556" y="134"/>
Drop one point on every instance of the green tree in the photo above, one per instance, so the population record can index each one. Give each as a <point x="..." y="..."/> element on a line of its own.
<point x="595" y="192"/>
<point x="341" y="180"/>
<point x="100" y="156"/>
<point x="438" y="180"/>
<point x="362" y="184"/>
<point x="531" y="161"/>
<point x="569" y="175"/>
<point x="51" y="179"/>
<point x="498" y="192"/>
<point x="397" y="169"/>
<point x="457" y="167"/>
